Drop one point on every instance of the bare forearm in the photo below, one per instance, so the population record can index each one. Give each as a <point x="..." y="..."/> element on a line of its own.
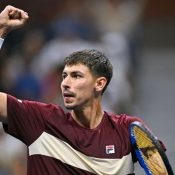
<point x="3" y="107"/>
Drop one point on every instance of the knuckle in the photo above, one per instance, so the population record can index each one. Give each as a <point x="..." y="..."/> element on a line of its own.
<point x="9" y="6"/>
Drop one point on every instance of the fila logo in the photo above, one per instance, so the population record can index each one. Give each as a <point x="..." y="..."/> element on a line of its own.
<point x="110" y="149"/>
<point x="19" y="100"/>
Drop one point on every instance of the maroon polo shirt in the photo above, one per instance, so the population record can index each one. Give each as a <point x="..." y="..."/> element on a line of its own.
<point x="57" y="145"/>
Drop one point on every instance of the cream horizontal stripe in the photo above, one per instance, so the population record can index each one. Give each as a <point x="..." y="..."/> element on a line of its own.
<point x="51" y="146"/>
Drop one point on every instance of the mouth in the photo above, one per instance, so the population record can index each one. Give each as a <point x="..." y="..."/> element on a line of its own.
<point x="68" y="94"/>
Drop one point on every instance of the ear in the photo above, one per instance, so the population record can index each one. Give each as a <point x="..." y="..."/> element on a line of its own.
<point x="100" y="84"/>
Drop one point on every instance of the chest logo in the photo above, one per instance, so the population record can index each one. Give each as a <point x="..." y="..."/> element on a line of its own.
<point x="110" y="149"/>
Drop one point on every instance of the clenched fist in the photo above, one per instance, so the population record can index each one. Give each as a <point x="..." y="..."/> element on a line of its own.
<point x="11" y="18"/>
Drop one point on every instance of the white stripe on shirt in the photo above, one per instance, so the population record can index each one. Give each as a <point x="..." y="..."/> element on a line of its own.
<point x="53" y="147"/>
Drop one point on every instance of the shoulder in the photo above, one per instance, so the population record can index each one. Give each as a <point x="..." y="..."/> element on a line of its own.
<point x="32" y="106"/>
<point x="122" y="119"/>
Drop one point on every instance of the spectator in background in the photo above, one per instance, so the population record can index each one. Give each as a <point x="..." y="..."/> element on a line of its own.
<point x="12" y="157"/>
<point x="118" y="22"/>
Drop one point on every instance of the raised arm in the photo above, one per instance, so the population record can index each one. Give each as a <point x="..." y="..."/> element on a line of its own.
<point x="10" y="19"/>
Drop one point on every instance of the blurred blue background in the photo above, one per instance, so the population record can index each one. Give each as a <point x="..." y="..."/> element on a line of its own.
<point x="137" y="35"/>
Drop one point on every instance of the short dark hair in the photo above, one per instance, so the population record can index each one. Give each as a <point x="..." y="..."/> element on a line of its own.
<point x="95" y="60"/>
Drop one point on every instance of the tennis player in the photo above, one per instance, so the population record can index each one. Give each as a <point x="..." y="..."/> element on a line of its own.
<point x="85" y="141"/>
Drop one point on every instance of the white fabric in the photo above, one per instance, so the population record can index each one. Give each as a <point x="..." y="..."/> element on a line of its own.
<point x="1" y="42"/>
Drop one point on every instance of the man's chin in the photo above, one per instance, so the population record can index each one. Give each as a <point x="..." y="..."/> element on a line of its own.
<point x="70" y="107"/>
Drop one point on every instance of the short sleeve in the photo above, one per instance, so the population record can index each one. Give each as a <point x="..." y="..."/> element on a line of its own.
<point x="26" y="119"/>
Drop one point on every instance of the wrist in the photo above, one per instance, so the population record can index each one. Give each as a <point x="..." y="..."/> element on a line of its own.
<point x="3" y="32"/>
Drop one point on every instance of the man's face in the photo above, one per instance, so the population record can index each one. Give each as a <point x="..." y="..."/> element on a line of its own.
<point x="78" y="86"/>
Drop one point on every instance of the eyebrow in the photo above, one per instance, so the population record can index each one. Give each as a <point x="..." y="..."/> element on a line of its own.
<point x="73" y="72"/>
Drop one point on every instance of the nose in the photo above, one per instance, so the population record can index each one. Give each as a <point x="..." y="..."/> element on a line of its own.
<point x="66" y="82"/>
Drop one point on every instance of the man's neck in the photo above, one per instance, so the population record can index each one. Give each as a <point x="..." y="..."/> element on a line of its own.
<point x="89" y="117"/>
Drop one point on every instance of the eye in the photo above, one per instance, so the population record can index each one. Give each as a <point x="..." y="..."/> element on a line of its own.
<point x="77" y="76"/>
<point x="64" y="76"/>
